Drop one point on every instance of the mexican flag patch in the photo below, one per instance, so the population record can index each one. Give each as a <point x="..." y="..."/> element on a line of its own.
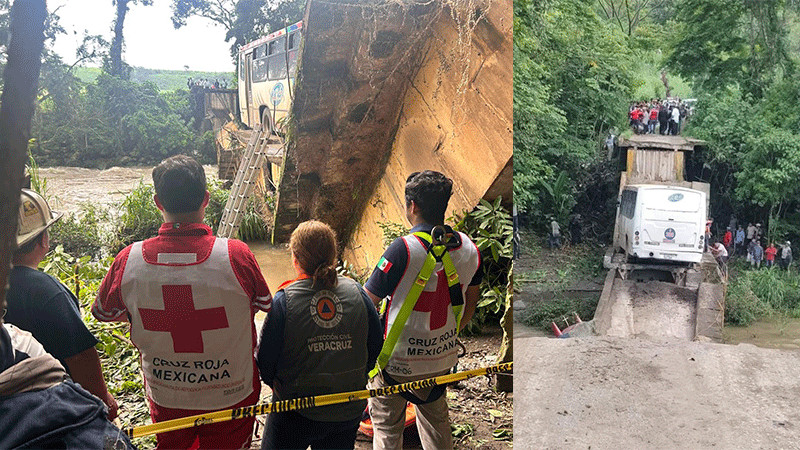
<point x="384" y="265"/>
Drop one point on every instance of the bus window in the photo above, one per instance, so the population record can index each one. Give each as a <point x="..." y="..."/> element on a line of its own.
<point x="241" y="67"/>
<point x="628" y="206"/>
<point x="260" y="51"/>
<point x="259" y="70"/>
<point x="294" y="40"/>
<point x="277" y="46"/>
<point x="292" y="63"/>
<point x="277" y="67"/>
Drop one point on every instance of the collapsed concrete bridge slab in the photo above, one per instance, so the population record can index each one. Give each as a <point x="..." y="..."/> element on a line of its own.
<point x="388" y="89"/>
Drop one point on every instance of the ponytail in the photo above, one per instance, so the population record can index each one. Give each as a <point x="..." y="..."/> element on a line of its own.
<point x="313" y="244"/>
<point x="325" y="277"/>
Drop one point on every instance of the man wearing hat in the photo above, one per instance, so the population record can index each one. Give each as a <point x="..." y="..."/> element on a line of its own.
<point x="786" y="255"/>
<point x="42" y="305"/>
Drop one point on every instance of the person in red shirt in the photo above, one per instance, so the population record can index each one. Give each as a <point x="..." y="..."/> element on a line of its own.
<point x="727" y="240"/>
<point x="190" y="299"/>
<point x="770" y="253"/>
<point x="651" y="126"/>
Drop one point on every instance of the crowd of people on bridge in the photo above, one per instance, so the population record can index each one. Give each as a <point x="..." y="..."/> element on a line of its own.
<point x="206" y="83"/>
<point x="749" y="242"/>
<point x="666" y="117"/>
<point x="190" y="300"/>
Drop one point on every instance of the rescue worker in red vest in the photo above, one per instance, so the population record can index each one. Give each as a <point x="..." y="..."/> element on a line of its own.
<point x="190" y="299"/>
<point x="422" y="322"/>
<point x="326" y="348"/>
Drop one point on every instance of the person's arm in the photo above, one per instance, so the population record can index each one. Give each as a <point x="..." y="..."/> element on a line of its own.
<point x="108" y="305"/>
<point x="470" y="304"/>
<point x="271" y="343"/>
<point x="388" y="272"/>
<point x="85" y="370"/>
<point x="375" y="299"/>
<point x="374" y="331"/>
<point x="249" y="275"/>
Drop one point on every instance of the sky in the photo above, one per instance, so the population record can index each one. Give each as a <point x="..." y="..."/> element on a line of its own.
<point x="150" y="39"/>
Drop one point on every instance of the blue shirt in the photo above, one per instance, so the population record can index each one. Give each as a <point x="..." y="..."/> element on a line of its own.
<point x="41" y="305"/>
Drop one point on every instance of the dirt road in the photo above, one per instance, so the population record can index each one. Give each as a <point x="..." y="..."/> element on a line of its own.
<point x="614" y="393"/>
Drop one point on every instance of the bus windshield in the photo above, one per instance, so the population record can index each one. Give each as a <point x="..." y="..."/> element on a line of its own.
<point x="671" y="200"/>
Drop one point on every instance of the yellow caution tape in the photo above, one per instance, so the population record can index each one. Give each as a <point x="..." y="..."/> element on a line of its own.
<point x="309" y="402"/>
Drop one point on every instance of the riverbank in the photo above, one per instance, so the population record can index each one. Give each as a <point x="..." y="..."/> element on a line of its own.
<point x="551" y="284"/>
<point x="68" y="188"/>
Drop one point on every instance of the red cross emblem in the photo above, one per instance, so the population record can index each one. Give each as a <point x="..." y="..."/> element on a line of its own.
<point x="181" y="320"/>
<point x="437" y="303"/>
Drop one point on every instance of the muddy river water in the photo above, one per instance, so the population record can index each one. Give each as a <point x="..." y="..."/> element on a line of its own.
<point x="70" y="187"/>
<point x="783" y="333"/>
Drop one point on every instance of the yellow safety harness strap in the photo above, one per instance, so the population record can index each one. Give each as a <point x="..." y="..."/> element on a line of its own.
<point x="310" y="402"/>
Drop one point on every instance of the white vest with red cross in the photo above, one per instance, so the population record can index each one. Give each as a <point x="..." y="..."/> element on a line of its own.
<point x="193" y="325"/>
<point x="428" y="342"/>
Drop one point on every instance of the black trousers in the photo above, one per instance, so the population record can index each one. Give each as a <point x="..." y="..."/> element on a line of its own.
<point x="290" y="430"/>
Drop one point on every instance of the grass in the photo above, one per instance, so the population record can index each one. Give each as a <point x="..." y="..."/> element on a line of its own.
<point x="756" y="293"/>
<point x="560" y="309"/>
<point x="139" y="218"/>
<point x="548" y="274"/>
<point x="165" y="80"/>
<point x="648" y="71"/>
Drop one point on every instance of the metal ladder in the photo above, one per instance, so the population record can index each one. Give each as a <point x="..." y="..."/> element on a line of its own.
<point x="243" y="184"/>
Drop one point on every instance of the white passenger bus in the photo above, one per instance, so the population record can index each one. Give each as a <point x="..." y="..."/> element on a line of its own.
<point x="662" y="222"/>
<point x="267" y="69"/>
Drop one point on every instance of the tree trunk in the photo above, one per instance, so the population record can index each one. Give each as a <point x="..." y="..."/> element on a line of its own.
<point x="16" y="111"/>
<point x="116" y="66"/>
<point x="667" y="89"/>
<point x="505" y="382"/>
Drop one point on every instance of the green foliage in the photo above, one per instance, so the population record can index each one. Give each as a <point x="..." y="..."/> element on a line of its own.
<point x="490" y="227"/>
<point x="753" y="151"/>
<point x="573" y="79"/>
<point x="559" y="198"/>
<point x="770" y="168"/>
<point x="112" y="121"/>
<point x="139" y="217"/>
<point x="165" y="80"/>
<point x="724" y="43"/>
<point x="81" y="234"/>
<point x="560" y="310"/>
<point x="392" y="231"/>
<point x="217" y="197"/>
<point x="756" y="293"/>
<point x="551" y="282"/>
<point x="38" y="184"/>
<point x="253" y="226"/>
<point x="205" y="150"/>
<point x="783" y="228"/>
